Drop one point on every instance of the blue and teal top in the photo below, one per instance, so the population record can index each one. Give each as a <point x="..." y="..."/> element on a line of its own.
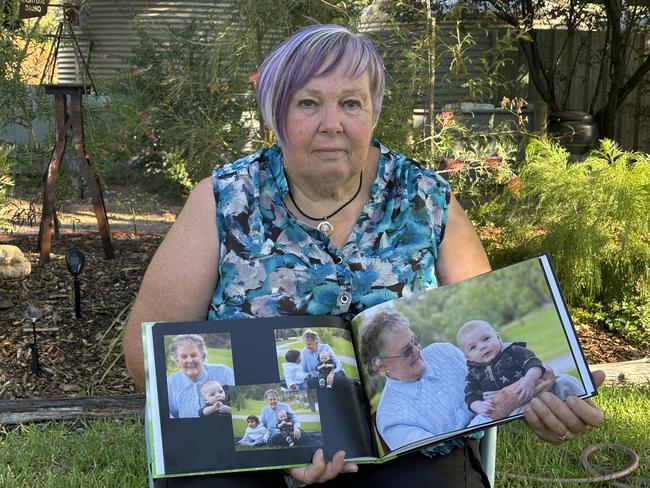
<point x="272" y="264"/>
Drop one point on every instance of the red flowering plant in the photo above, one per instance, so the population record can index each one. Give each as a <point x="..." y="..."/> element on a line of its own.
<point x="478" y="159"/>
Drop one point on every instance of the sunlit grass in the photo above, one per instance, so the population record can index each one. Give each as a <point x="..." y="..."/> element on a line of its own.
<point x="626" y="410"/>
<point x="109" y="453"/>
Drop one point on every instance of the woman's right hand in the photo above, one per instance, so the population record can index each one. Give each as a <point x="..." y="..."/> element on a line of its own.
<point x="320" y="472"/>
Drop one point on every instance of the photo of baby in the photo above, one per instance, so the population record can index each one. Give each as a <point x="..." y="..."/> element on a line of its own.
<point x="214" y="399"/>
<point x="198" y="370"/>
<point x="480" y="361"/>
<point x="255" y="433"/>
<point x="316" y="358"/>
<point x="268" y="417"/>
<point x="494" y="365"/>
<point x="324" y="367"/>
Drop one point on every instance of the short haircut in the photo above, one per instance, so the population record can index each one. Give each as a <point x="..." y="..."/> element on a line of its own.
<point x="310" y="335"/>
<point x="292" y="355"/>
<point x="373" y="335"/>
<point x="270" y="391"/>
<point x="324" y="352"/>
<point x="315" y="50"/>
<point x="469" y="326"/>
<point x="185" y="339"/>
<point x="253" y="418"/>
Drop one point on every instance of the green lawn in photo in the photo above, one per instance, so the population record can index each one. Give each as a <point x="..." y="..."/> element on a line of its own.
<point x="239" y="426"/>
<point x="534" y="330"/>
<point x="214" y="356"/>
<point x="342" y="347"/>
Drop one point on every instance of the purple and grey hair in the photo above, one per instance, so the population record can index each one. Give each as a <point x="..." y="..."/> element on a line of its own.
<point x="314" y="51"/>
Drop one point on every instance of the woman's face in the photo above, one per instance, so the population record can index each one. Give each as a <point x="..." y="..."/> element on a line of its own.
<point x="272" y="401"/>
<point x="401" y="358"/>
<point x="311" y="344"/>
<point x="329" y="127"/>
<point x="190" y="360"/>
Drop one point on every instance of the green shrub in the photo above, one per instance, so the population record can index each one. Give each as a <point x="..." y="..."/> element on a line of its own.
<point x="593" y="218"/>
<point x="629" y="317"/>
<point x="6" y="183"/>
<point x="187" y="103"/>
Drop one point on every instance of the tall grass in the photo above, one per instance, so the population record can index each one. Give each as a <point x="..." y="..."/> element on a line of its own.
<point x="591" y="217"/>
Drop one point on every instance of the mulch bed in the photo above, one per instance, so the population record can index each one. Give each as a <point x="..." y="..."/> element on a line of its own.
<point x="75" y="358"/>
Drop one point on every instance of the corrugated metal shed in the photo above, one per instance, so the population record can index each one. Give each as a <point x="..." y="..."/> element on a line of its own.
<point x="106" y="31"/>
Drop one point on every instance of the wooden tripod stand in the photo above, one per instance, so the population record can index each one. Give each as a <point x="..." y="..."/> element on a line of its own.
<point x="70" y="119"/>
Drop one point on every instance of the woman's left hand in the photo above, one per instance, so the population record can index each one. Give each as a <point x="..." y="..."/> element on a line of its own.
<point x="555" y="421"/>
<point x="330" y="378"/>
<point x="319" y="471"/>
<point x="296" y="434"/>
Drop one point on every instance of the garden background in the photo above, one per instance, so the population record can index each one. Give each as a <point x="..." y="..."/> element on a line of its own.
<point x="184" y="105"/>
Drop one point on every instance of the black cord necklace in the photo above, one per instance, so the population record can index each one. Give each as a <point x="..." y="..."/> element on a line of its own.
<point x="325" y="226"/>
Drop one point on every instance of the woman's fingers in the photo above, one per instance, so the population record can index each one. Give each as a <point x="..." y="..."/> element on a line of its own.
<point x="598" y="377"/>
<point x="319" y="472"/>
<point x="337" y="466"/>
<point x="586" y="410"/>
<point x="555" y="421"/>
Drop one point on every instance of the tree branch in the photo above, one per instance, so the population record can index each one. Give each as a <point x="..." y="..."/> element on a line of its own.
<point x="634" y="80"/>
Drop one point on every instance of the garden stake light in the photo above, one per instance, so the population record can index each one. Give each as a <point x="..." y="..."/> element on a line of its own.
<point x="75" y="259"/>
<point x="34" y="313"/>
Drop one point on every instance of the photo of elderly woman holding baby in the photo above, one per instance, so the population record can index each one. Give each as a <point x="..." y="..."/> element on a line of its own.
<point x="187" y="396"/>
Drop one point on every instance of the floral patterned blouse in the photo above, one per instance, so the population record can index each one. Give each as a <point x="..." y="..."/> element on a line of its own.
<point x="272" y="264"/>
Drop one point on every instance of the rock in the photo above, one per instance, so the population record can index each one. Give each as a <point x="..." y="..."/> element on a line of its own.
<point x="13" y="263"/>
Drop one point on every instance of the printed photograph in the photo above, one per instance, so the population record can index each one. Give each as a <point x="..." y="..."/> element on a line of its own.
<point x="465" y="355"/>
<point x="270" y="417"/>
<point x="322" y="357"/>
<point x="199" y="371"/>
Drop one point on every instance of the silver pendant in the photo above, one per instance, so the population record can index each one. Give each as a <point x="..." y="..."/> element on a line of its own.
<point x="326" y="228"/>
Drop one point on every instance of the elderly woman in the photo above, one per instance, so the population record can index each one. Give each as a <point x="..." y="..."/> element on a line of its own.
<point x="424" y="392"/>
<point x="328" y="221"/>
<point x="269" y="418"/>
<point x="188" y="351"/>
<point x="309" y="356"/>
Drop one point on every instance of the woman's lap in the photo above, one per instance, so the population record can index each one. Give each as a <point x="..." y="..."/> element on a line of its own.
<point x="460" y="468"/>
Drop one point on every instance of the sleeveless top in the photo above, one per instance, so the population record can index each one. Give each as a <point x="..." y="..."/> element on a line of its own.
<point x="272" y="264"/>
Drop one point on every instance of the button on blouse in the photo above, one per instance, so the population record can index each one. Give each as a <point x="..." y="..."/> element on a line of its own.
<point x="273" y="264"/>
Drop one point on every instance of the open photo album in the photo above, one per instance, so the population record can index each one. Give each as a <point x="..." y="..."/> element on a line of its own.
<point x="420" y="371"/>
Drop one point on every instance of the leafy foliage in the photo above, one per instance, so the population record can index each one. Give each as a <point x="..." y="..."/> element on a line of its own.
<point x="592" y="218"/>
<point x="6" y="182"/>
<point x="621" y="63"/>
<point x="20" y="103"/>
<point x="477" y="158"/>
<point x="187" y="104"/>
